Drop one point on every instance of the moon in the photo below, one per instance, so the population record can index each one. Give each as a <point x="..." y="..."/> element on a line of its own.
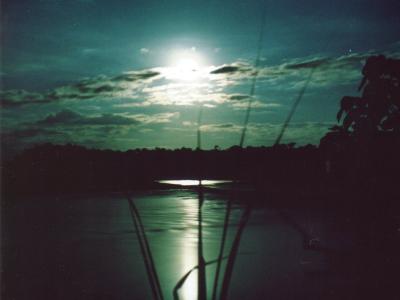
<point x="186" y="65"/>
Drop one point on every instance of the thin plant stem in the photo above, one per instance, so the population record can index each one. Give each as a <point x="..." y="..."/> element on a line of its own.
<point x="234" y="251"/>
<point x="181" y="281"/>
<point x="221" y="250"/>
<point x="294" y="107"/>
<point x="146" y="252"/>
<point x="246" y="214"/>
<point x="201" y="279"/>
<point x="202" y="287"/>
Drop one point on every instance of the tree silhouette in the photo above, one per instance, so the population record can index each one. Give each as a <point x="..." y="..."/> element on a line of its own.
<point x="369" y="125"/>
<point x="378" y="108"/>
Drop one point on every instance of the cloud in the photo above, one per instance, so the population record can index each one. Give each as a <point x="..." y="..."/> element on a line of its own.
<point x="157" y="118"/>
<point x="329" y="71"/>
<point x="255" y="104"/>
<point x="225" y="69"/>
<point x="144" y="51"/>
<point x="238" y="97"/>
<point x="221" y="128"/>
<point x="177" y="93"/>
<point x="241" y="102"/>
<point x="89" y="51"/>
<point x="63" y="117"/>
<point x="102" y="131"/>
<point x="13" y="98"/>
<point x="234" y="68"/>
<point x="124" y="86"/>
<point x="266" y="133"/>
<point x="136" y="75"/>
<point x="308" y="64"/>
<point x="164" y="86"/>
<point x="189" y="123"/>
<point x="68" y="117"/>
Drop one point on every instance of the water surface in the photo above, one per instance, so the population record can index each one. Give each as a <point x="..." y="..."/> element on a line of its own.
<point x="85" y="247"/>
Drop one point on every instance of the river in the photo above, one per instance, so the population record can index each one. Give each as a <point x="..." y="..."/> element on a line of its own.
<point x="85" y="247"/>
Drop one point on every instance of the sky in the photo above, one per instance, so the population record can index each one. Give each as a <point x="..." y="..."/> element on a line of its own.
<point x="135" y="74"/>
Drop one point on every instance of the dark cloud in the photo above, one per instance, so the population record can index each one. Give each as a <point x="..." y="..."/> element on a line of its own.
<point x="227" y="125"/>
<point x="225" y="69"/>
<point x="308" y="64"/>
<point x="238" y="97"/>
<point x="106" y="88"/>
<point x="134" y="76"/>
<point x="13" y="98"/>
<point x="68" y="117"/>
<point x="63" y="117"/>
<point x="290" y="73"/>
<point x="100" y="86"/>
<point x="329" y="71"/>
<point x="67" y="126"/>
<point x="221" y="127"/>
<point x="329" y="63"/>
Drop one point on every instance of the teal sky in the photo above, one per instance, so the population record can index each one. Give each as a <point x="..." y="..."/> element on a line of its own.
<point x="133" y="74"/>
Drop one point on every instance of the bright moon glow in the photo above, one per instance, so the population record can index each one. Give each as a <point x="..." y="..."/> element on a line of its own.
<point x="189" y="182"/>
<point x="187" y="73"/>
<point x="186" y="65"/>
<point x="187" y="69"/>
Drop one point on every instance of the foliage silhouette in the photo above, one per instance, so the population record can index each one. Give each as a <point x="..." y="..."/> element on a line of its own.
<point x="362" y="147"/>
<point x="378" y="108"/>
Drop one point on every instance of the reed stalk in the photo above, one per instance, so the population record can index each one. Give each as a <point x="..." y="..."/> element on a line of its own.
<point x="246" y="214"/>
<point x="146" y="252"/>
<point x="201" y="279"/>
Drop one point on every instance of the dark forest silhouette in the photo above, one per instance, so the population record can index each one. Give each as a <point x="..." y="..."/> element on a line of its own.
<point x="62" y="168"/>
<point x="364" y="148"/>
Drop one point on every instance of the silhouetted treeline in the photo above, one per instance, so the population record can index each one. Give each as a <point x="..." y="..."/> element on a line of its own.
<point x="54" y="168"/>
<point x="69" y="168"/>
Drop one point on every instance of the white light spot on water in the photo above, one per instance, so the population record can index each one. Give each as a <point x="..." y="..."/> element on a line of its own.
<point x="190" y="182"/>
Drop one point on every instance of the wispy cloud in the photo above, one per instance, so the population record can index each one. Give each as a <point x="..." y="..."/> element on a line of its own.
<point x="68" y="126"/>
<point x="241" y="102"/>
<point x="166" y="86"/>
<point x="124" y="85"/>
<point x="71" y="118"/>
<point x="266" y="133"/>
<point x="67" y="117"/>
<point x="156" y="118"/>
<point x="223" y="127"/>
<point x="144" y="51"/>
<point x="329" y="71"/>
<point x="14" y="98"/>
<point x="146" y="101"/>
